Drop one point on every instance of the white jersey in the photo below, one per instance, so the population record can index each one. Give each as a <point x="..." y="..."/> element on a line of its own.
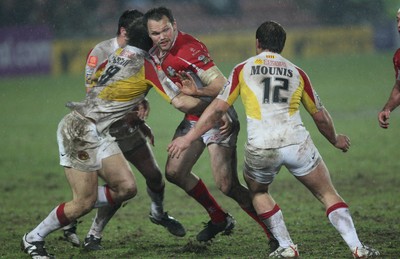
<point x="271" y="88"/>
<point x="97" y="60"/>
<point x="128" y="76"/>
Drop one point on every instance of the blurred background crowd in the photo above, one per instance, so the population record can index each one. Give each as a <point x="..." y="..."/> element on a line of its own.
<point x="67" y="29"/>
<point x="76" y="18"/>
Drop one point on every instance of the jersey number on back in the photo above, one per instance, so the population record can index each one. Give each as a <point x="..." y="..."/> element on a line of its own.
<point x="273" y="88"/>
<point x="109" y="73"/>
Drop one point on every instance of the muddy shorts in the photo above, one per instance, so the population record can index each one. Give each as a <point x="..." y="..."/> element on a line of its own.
<point x="262" y="165"/>
<point x="81" y="146"/>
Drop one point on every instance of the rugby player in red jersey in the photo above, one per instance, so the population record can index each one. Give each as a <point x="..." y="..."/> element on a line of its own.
<point x="175" y="51"/>
<point x="394" y="98"/>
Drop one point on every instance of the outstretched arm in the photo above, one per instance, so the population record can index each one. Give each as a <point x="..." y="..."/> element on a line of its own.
<point x="324" y="123"/>
<point x="189" y="104"/>
<point x="391" y="104"/>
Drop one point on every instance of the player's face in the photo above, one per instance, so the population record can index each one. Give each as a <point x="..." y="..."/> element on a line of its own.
<point x="162" y="32"/>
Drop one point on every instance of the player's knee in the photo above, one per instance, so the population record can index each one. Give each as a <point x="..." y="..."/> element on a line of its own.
<point x="172" y="176"/>
<point x="225" y="187"/>
<point x="127" y="191"/>
<point x="83" y="206"/>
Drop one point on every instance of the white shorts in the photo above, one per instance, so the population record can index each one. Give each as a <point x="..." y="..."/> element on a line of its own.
<point x="262" y="165"/>
<point x="81" y="146"/>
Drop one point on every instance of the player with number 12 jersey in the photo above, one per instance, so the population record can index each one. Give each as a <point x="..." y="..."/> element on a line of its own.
<point x="271" y="89"/>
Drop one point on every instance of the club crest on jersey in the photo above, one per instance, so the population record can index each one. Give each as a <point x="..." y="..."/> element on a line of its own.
<point x="171" y="71"/>
<point x="194" y="51"/>
<point x="204" y="59"/>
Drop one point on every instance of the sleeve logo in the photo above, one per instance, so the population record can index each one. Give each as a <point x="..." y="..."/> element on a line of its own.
<point x="92" y="61"/>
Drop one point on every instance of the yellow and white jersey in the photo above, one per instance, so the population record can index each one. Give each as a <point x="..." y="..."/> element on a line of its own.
<point x="97" y="60"/>
<point x="271" y="88"/>
<point x="128" y="76"/>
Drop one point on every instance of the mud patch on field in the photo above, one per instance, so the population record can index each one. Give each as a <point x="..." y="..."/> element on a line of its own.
<point x="194" y="247"/>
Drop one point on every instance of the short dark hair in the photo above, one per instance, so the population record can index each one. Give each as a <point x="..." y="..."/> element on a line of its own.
<point x="138" y="36"/>
<point x="157" y="14"/>
<point x="127" y="17"/>
<point x="271" y="36"/>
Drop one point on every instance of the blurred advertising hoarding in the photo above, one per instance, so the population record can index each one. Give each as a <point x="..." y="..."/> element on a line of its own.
<point x="25" y="50"/>
<point x="31" y="49"/>
<point x="304" y="43"/>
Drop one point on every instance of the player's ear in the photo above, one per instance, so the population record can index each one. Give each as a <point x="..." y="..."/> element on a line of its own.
<point x="122" y="31"/>
<point x="258" y="46"/>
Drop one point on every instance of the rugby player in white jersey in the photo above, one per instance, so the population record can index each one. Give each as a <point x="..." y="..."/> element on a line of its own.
<point x="86" y="148"/>
<point x="271" y="89"/>
<point x="394" y="98"/>
<point x="132" y="142"/>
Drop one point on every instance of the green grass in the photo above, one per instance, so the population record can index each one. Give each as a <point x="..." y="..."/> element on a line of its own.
<point x="353" y="88"/>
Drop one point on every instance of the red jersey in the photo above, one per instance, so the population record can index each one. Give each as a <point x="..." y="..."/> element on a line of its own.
<point x="187" y="54"/>
<point x="396" y="63"/>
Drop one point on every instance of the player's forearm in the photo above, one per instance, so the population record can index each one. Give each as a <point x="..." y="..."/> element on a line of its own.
<point x="324" y="123"/>
<point x="189" y="104"/>
<point x="213" y="88"/>
<point x="208" y="120"/>
<point x="394" y="99"/>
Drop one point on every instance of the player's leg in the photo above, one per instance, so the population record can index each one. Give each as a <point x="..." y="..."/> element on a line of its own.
<point x="143" y="159"/>
<point x="84" y="193"/>
<point x="271" y="215"/>
<point x="224" y="168"/>
<point x="137" y="151"/>
<point x="120" y="186"/>
<point x="178" y="171"/>
<point x="318" y="181"/>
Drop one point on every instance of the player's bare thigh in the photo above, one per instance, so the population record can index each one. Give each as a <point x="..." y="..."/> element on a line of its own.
<point x="179" y="170"/>
<point x="318" y="181"/>
<point x="143" y="159"/>
<point x="118" y="175"/>
<point x="223" y="165"/>
<point x="187" y="159"/>
<point x="84" y="192"/>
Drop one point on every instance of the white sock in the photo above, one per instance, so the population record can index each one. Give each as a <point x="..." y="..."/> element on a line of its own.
<point x="342" y="221"/>
<point x="103" y="216"/>
<point x="157" y="199"/>
<point x="101" y="197"/>
<point x="276" y="225"/>
<point x="48" y="225"/>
